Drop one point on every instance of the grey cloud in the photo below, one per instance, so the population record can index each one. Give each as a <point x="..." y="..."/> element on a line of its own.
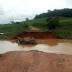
<point x="6" y="19"/>
<point x="68" y="3"/>
<point x="16" y="12"/>
<point x="7" y="16"/>
<point x="1" y="10"/>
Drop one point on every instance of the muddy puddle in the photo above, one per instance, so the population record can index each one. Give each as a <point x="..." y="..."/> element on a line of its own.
<point x="62" y="47"/>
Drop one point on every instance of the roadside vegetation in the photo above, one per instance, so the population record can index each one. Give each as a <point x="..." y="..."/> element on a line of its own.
<point x="11" y="30"/>
<point x="64" y="30"/>
<point x="62" y="27"/>
<point x="52" y="23"/>
<point x="0" y="55"/>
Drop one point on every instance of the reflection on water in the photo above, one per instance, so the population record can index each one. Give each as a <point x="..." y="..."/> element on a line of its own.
<point x="61" y="48"/>
<point x="1" y="33"/>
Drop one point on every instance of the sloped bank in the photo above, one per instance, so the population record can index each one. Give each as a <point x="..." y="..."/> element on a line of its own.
<point x="36" y="35"/>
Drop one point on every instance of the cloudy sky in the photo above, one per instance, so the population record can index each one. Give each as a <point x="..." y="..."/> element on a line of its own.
<point x="18" y="10"/>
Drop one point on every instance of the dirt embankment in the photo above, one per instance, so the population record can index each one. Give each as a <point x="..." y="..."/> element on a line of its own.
<point x="35" y="61"/>
<point x="37" y="35"/>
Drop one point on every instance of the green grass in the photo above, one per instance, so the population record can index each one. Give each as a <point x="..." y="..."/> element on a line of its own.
<point x="11" y="30"/>
<point x="39" y="20"/>
<point x="43" y="20"/>
<point x="64" y="34"/>
<point x="63" y="31"/>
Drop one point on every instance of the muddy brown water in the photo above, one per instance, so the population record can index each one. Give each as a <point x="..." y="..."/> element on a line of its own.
<point x="62" y="47"/>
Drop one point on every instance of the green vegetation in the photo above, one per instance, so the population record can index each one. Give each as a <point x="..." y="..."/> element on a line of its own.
<point x="0" y="55"/>
<point x="11" y="30"/>
<point x="66" y="12"/>
<point x="64" y="30"/>
<point x="52" y="23"/>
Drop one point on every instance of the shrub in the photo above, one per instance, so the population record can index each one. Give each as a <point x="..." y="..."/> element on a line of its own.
<point x="52" y="23"/>
<point x="0" y="55"/>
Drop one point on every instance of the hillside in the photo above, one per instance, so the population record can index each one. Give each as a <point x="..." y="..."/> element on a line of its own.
<point x="63" y="31"/>
<point x="66" y="12"/>
<point x="10" y="30"/>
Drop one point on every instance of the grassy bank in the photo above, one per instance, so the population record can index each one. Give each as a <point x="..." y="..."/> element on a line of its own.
<point x="11" y="30"/>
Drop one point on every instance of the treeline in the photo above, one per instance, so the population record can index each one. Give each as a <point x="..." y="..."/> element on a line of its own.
<point x="66" y="12"/>
<point x="19" y="23"/>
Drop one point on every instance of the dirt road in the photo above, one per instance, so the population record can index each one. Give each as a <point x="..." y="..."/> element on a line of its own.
<point x="34" y="28"/>
<point x="35" y="61"/>
<point x="37" y="34"/>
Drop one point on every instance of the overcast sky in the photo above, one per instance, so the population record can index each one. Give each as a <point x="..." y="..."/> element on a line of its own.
<point x="18" y="10"/>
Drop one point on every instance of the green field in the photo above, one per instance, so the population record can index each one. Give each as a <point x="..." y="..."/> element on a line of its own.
<point x="63" y="31"/>
<point x="11" y="30"/>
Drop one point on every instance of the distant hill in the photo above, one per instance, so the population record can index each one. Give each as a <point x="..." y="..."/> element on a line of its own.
<point x="66" y="12"/>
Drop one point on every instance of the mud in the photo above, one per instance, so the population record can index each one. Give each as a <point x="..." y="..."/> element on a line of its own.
<point x="36" y="35"/>
<point x="52" y="54"/>
<point x="35" y="61"/>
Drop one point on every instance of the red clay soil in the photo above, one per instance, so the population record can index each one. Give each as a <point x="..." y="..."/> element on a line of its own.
<point x="35" y="61"/>
<point x="34" y="28"/>
<point x="36" y="35"/>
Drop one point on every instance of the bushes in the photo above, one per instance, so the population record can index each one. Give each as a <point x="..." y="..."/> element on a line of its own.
<point x="0" y="55"/>
<point x="25" y="25"/>
<point x="52" y="23"/>
<point x="65" y="34"/>
<point x="41" y="26"/>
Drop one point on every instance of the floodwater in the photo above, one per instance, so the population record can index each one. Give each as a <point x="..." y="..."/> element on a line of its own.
<point x="1" y="33"/>
<point x="61" y="47"/>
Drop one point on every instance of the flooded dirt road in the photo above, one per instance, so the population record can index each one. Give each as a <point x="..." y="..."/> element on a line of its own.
<point x="49" y="55"/>
<point x="55" y="46"/>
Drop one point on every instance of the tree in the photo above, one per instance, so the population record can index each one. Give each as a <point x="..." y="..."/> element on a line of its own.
<point x="17" y="22"/>
<point x="48" y="19"/>
<point x="66" y="12"/>
<point x="12" y="22"/>
<point x="27" y="19"/>
<point x="52" y="23"/>
<point x="49" y="10"/>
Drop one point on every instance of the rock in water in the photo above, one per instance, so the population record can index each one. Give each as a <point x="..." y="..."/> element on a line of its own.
<point x="26" y="40"/>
